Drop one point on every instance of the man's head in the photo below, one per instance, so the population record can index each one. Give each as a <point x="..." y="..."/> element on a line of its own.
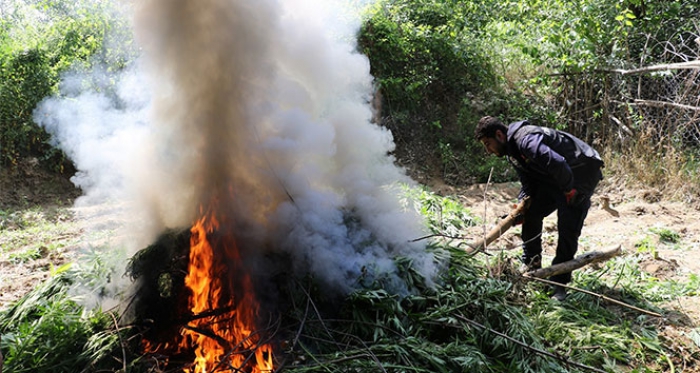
<point x="492" y="133"/>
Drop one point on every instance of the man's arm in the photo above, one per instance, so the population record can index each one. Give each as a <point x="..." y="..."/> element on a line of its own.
<point x="525" y="185"/>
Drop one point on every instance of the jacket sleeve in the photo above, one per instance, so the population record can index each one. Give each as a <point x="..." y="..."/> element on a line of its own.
<point x="546" y="161"/>
<point x="525" y="185"/>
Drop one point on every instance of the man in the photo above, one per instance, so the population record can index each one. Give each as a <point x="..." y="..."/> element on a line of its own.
<point x="557" y="171"/>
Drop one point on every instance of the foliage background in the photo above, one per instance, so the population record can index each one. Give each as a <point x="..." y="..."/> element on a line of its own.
<point x="40" y="40"/>
<point x="561" y="64"/>
<point x="439" y="65"/>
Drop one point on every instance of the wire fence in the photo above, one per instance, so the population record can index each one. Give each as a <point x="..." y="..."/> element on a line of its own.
<point x="659" y="102"/>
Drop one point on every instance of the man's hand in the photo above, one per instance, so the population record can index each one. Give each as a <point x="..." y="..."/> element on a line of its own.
<point x="519" y="219"/>
<point x="574" y="198"/>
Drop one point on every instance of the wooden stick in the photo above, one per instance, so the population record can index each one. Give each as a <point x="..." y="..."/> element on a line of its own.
<point x="601" y="296"/>
<point x="577" y="262"/>
<point x="524" y="345"/>
<point x="692" y="65"/>
<point x="502" y="226"/>
<point x="662" y="104"/>
<point x="605" y="200"/>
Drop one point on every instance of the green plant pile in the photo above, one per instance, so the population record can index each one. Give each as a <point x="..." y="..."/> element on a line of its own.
<point x="51" y="330"/>
<point x="480" y="315"/>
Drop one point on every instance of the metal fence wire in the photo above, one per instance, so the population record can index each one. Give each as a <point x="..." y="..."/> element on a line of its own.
<point x="659" y="101"/>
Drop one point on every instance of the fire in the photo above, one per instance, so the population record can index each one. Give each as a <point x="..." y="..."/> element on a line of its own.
<point x="223" y="313"/>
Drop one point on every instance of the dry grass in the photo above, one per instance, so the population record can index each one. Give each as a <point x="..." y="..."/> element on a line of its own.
<point x="655" y="167"/>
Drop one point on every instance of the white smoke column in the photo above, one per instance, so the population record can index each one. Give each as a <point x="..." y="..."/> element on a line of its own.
<point x="332" y="160"/>
<point x="268" y="99"/>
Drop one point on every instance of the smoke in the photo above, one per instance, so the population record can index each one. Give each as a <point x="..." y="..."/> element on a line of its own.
<point x="261" y="108"/>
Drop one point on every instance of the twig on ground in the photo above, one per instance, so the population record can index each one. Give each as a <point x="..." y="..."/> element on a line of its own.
<point x="522" y="344"/>
<point x="603" y="297"/>
<point x="605" y="205"/>
<point x="438" y="235"/>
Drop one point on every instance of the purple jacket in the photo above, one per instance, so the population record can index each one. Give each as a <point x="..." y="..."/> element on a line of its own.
<point x="545" y="155"/>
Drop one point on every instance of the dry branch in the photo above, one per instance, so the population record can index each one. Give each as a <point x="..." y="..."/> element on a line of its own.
<point x="663" y="104"/>
<point x="531" y="348"/>
<point x="689" y="65"/>
<point x="577" y="262"/>
<point x="627" y="130"/>
<point x="603" y="297"/>
<point x="606" y="206"/>
<point x="502" y="226"/>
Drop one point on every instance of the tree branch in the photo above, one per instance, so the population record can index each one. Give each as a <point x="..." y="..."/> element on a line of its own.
<point x="603" y="297"/>
<point x="502" y="226"/>
<point x="689" y="65"/>
<point x="537" y="350"/>
<point x="578" y="262"/>
<point x="663" y="104"/>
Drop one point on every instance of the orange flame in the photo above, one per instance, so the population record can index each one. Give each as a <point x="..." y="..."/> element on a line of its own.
<point x="221" y="332"/>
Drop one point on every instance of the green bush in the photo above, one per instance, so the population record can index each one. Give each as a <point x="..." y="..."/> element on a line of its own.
<point x="39" y="42"/>
<point x="423" y="59"/>
<point x="25" y="79"/>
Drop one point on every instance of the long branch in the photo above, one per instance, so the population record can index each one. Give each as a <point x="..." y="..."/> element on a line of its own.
<point x="692" y="65"/>
<point x="662" y="104"/>
<point x="502" y="226"/>
<point x="577" y="262"/>
<point x="603" y="297"/>
<point x="535" y="349"/>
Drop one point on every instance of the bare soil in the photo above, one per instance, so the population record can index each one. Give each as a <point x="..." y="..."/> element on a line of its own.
<point x="28" y="184"/>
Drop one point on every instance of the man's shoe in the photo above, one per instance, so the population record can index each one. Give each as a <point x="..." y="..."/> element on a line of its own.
<point x="559" y="293"/>
<point x="531" y="264"/>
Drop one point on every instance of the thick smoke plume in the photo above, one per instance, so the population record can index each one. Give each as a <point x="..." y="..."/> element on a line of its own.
<point x="261" y="107"/>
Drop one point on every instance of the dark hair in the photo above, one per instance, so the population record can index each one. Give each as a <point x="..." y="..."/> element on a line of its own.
<point x="488" y="126"/>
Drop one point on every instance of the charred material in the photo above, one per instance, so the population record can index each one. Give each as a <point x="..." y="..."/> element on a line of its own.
<point x="159" y="271"/>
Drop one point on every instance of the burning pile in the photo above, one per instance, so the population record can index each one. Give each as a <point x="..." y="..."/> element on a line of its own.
<point x="201" y="301"/>
<point x="266" y="100"/>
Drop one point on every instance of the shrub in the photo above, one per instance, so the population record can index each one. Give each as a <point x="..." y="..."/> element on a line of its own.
<point x="38" y="42"/>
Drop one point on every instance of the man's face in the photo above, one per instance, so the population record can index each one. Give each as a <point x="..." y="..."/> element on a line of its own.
<point x="495" y="145"/>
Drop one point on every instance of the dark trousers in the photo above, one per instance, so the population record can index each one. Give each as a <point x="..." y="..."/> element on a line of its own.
<point x="545" y="200"/>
